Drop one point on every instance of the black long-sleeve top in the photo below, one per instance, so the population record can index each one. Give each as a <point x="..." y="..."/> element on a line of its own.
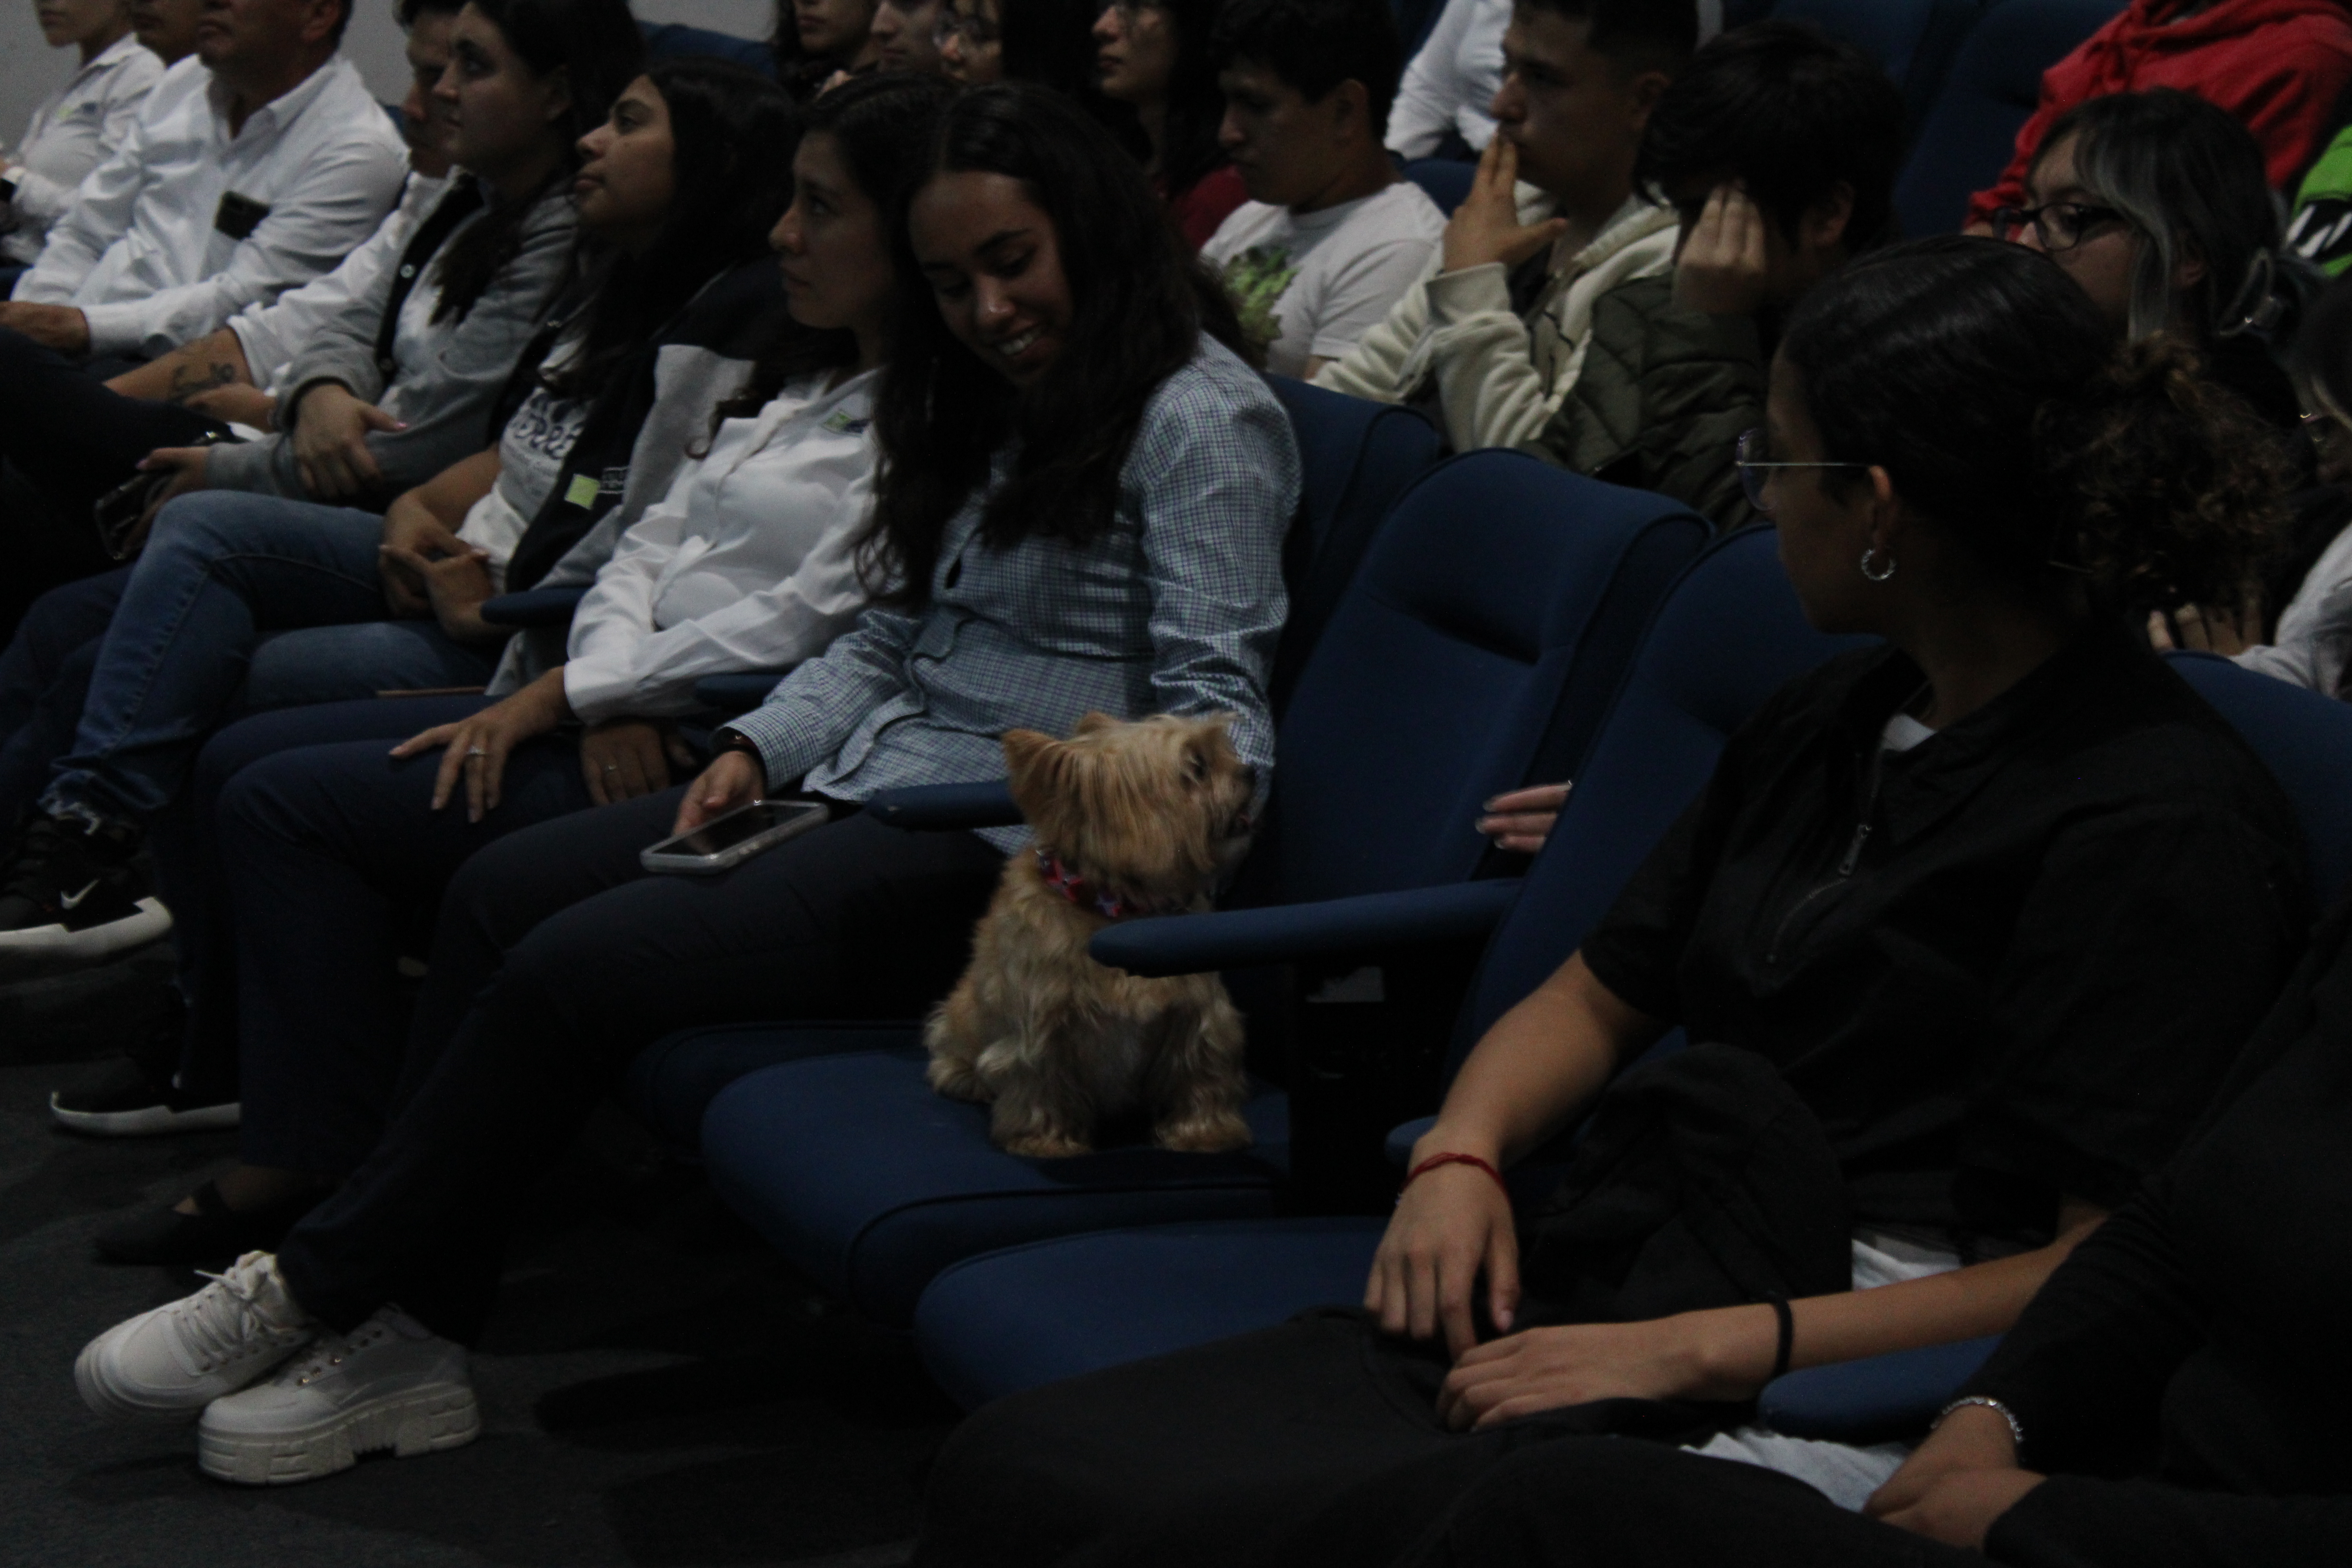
<point x="2010" y="964"/>
<point x="2187" y="1374"/>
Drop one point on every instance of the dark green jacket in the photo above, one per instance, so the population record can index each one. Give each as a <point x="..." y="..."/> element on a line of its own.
<point x="1662" y="400"/>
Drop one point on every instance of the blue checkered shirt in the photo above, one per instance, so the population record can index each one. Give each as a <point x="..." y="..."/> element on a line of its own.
<point x="1174" y="609"/>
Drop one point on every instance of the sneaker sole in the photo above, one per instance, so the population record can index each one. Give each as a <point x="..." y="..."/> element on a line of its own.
<point x="147" y="1121"/>
<point x="55" y="947"/>
<point x="419" y="1421"/>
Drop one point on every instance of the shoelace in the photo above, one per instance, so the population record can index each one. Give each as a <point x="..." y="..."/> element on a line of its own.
<point x="332" y="1350"/>
<point x="224" y="1322"/>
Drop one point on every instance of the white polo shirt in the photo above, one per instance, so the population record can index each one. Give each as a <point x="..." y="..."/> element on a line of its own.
<point x="78" y="127"/>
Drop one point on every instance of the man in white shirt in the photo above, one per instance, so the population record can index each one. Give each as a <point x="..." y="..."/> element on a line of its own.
<point x="1331" y="235"/>
<point x="1442" y="107"/>
<point x="77" y="127"/>
<point x="257" y="164"/>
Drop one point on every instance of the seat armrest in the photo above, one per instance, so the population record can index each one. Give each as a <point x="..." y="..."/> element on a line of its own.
<point x="535" y="607"/>
<point x="1233" y="939"/>
<point x="1875" y="1399"/>
<point x="985" y="803"/>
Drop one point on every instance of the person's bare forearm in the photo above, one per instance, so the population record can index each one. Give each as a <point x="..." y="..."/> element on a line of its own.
<point x="1540" y="1062"/>
<point x="1962" y="1304"/>
<point x="450" y="494"/>
<point x="214" y="360"/>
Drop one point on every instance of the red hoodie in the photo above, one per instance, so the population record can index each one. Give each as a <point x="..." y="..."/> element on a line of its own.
<point x="2277" y="65"/>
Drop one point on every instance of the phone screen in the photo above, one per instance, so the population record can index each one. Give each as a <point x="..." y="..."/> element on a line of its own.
<point x="716" y="838"/>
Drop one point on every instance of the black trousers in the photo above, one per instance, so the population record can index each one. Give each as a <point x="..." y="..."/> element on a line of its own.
<point x="1317" y="1442"/>
<point x="1614" y="1502"/>
<point x="65" y="440"/>
<point x="555" y="960"/>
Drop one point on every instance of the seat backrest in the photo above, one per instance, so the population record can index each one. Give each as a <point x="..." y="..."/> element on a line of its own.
<point x="2305" y="739"/>
<point x="1916" y="40"/>
<point x="1991" y="91"/>
<point x="1356" y="458"/>
<point x="672" y="40"/>
<point x="1728" y="634"/>
<point x="1492" y="618"/>
<point x="1445" y="181"/>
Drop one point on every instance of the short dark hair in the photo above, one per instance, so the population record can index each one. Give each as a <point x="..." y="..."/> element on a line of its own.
<point x="1316" y="44"/>
<point x="410" y="12"/>
<point x="1659" y="35"/>
<point x="1791" y="114"/>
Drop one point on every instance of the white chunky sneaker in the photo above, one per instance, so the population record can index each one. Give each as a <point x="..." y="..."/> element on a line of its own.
<point x="388" y="1384"/>
<point x="180" y="1357"/>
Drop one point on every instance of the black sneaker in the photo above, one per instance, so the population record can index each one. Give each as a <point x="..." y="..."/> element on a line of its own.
<point x="72" y="895"/>
<point x="122" y="1099"/>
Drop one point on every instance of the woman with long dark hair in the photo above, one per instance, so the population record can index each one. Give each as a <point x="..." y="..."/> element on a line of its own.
<point x="676" y="193"/>
<point x="1125" y="560"/>
<point x="1967" y="930"/>
<point x="1153" y="56"/>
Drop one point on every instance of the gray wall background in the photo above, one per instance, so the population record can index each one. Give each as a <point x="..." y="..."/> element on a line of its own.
<point x="30" y="70"/>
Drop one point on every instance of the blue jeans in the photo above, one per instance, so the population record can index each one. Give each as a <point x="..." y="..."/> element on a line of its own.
<point x="186" y="647"/>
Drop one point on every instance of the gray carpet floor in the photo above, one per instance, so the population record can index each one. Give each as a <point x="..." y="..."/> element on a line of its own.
<point x="657" y="1388"/>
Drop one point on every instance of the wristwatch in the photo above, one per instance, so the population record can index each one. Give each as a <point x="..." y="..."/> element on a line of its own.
<point x="726" y="738"/>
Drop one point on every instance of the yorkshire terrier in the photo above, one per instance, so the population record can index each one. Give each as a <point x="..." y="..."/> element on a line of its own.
<point x="1137" y="818"/>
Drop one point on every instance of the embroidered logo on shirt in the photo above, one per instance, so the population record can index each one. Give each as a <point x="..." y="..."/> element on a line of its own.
<point x="844" y="423"/>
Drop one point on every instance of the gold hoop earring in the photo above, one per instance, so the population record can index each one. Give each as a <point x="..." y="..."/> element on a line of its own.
<point x="1869" y="556"/>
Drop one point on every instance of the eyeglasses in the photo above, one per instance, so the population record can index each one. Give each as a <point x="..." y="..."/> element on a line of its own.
<point x="976" y="31"/>
<point x="1755" y="469"/>
<point x="2061" y="226"/>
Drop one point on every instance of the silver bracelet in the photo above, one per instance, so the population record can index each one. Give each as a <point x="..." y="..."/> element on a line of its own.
<point x="2016" y="1427"/>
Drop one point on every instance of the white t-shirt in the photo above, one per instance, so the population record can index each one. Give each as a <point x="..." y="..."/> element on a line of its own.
<point x="1316" y="283"/>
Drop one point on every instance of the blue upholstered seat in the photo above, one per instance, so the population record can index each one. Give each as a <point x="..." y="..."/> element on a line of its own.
<point x="1480" y="641"/>
<point x="1728" y="636"/>
<point x="1916" y="40"/>
<point x="1994" y="83"/>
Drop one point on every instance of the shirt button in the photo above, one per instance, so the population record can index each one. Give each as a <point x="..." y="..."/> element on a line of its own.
<point x="408" y="271"/>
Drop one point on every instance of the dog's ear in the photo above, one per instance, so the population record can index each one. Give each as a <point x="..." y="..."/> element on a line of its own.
<point x="1092" y="723"/>
<point x="1029" y="766"/>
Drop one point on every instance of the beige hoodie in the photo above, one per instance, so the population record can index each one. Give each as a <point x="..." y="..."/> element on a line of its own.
<point x="1459" y="327"/>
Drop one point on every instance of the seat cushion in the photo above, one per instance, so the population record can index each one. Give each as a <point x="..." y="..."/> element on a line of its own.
<point x="872" y="1183"/>
<point x="997" y="1324"/>
<point x="673" y="1081"/>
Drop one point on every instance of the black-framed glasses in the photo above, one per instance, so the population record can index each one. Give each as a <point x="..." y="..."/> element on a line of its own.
<point x="1756" y="469"/>
<point x="2060" y="226"/>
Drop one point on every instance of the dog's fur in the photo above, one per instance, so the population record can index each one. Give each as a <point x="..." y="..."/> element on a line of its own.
<point x="1149" y="813"/>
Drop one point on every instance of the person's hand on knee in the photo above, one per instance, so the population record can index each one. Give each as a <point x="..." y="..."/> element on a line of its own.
<point x="476" y="748"/>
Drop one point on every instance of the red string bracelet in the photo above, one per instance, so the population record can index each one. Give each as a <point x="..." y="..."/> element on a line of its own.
<point x="1436" y="1160"/>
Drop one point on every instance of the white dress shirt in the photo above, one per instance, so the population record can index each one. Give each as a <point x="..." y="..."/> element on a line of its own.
<point x="750" y="562"/>
<point x="138" y="250"/>
<point x="273" y="332"/>
<point x="81" y="125"/>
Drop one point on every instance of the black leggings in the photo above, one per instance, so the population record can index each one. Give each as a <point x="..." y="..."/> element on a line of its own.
<point x="1317" y="1442"/>
<point x="555" y="960"/>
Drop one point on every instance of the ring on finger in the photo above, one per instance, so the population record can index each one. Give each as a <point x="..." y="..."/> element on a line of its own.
<point x="476" y="752"/>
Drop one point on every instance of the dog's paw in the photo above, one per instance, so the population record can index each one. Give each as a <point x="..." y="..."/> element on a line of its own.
<point x="1211" y="1134"/>
<point x="955" y="1078"/>
<point x="1045" y="1146"/>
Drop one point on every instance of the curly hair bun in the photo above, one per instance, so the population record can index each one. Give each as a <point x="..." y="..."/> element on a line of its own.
<point x="2178" y="487"/>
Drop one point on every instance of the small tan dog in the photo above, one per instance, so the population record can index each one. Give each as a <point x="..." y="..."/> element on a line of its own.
<point x="1131" y="819"/>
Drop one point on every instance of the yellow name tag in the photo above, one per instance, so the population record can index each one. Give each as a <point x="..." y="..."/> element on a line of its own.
<point x="582" y="490"/>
